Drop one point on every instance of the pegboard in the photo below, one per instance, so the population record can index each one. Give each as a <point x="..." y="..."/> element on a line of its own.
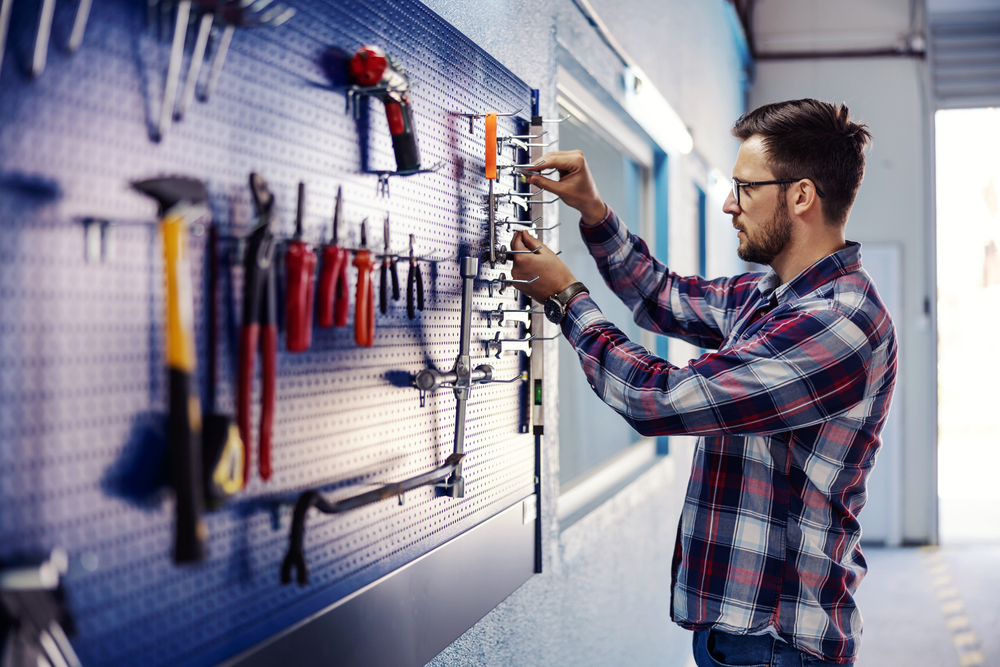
<point x="83" y="383"/>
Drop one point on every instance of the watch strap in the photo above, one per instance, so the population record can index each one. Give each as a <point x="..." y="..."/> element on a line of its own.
<point x="564" y="296"/>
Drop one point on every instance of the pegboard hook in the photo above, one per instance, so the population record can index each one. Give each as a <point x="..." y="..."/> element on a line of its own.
<point x="473" y="116"/>
<point x="383" y="177"/>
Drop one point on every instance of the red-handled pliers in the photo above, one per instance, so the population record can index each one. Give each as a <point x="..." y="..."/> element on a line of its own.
<point x="259" y="328"/>
<point x="333" y="297"/>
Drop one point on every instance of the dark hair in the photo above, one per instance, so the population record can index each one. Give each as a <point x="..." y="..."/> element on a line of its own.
<point x="816" y="140"/>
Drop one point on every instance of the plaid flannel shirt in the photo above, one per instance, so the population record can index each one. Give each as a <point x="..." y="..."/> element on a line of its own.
<point x="789" y="409"/>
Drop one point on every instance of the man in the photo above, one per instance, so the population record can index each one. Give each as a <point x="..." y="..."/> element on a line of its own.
<point x="790" y="406"/>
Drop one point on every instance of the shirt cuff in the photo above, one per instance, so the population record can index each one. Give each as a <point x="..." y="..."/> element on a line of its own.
<point x="581" y="313"/>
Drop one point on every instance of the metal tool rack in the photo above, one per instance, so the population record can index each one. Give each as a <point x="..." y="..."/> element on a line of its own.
<point x="82" y="377"/>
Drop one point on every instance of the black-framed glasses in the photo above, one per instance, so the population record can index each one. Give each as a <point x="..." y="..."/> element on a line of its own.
<point x="738" y="184"/>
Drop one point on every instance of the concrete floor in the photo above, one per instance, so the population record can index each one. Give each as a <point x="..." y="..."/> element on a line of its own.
<point x="931" y="607"/>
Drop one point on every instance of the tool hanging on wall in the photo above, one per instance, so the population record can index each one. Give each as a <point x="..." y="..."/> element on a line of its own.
<point x="377" y="74"/>
<point x="230" y="13"/>
<point x="5" y="7"/>
<point x="447" y="477"/>
<point x="222" y="447"/>
<point x="300" y="271"/>
<point x="473" y="116"/>
<point x="333" y="297"/>
<point x="414" y="285"/>
<point x="364" y="298"/>
<point x="173" y="69"/>
<point x="259" y="328"/>
<point x="491" y="176"/>
<point x="233" y="14"/>
<point x="31" y="600"/>
<point x="380" y="73"/>
<point x="388" y="268"/>
<point x="182" y="201"/>
<point x="295" y="558"/>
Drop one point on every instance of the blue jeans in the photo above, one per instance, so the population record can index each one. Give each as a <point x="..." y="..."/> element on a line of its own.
<point x="721" y="649"/>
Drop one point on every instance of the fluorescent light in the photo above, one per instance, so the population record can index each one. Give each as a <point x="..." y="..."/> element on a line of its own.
<point x="654" y="114"/>
<point x="572" y="109"/>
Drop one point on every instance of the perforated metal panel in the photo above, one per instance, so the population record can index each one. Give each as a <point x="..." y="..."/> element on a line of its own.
<point x="82" y="378"/>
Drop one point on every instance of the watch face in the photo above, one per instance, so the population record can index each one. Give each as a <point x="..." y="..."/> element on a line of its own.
<point x="553" y="310"/>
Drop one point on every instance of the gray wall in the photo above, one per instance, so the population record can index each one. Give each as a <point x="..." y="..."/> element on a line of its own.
<point x="604" y="596"/>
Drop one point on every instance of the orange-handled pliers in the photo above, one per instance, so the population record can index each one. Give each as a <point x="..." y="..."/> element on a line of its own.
<point x="364" y="299"/>
<point x="259" y="328"/>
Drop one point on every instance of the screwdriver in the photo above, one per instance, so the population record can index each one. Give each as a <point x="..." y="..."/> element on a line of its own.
<point x="300" y="263"/>
<point x="388" y="265"/>
<point x="364" y="298"/>
<point x="491" y="175"/>
<point x="333" y="299"/>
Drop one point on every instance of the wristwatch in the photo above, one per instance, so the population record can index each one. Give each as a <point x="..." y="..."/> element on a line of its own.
<point x="555" y="305"/>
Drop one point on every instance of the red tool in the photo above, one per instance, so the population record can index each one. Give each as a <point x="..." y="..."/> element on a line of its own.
<point x="371" y="66"/>
<point x="333" y="297"/>
<point x="364" y="299"/>
<point x="259" y="328"/>
<point x="300" y="265"/>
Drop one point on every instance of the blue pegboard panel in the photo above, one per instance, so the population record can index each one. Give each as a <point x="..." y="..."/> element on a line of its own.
<point x="82" y="377"/>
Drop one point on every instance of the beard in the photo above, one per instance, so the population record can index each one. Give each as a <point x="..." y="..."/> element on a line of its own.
<point x="768" y="240"/>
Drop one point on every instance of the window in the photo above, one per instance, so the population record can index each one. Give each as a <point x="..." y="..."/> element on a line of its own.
<point x="595" y="442"/>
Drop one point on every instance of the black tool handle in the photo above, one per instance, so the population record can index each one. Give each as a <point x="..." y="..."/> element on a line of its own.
<point x="410" y="286"/>
<point x="404" y="138"/>
<point x="395" y="280"/>
<point x="184" y="434"/>
<point x="383" y="287"/>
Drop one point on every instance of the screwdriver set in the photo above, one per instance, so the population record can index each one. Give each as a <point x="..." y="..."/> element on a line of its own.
<point x="260" y="345"/>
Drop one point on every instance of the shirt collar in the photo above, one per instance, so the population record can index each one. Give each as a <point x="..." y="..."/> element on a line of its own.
<point x="821" y="272"/>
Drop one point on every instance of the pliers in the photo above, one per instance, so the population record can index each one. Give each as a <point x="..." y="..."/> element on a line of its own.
<point x="259" y="328"/>
<point x="388" y="265"/>
<point x="414" y="284"/>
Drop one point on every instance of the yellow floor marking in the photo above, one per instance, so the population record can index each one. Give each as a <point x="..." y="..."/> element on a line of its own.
<point x="952" y="607"/>
<point x="957" y="622"/>
<point x="967" y="638"/>
<point x="964" y="638"/>
<point x="971" y="658"/>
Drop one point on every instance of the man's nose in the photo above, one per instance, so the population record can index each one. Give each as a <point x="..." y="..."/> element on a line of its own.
<point x="730" y="206"/>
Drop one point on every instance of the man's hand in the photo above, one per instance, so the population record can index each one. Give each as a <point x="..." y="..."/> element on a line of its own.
<point x="553" y="275"/>
<point x="575" y="185"/>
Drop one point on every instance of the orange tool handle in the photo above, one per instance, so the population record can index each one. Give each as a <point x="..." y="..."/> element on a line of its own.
<point x="364" y="300"/>
<point x="491" y="146"/>
<point x="300" y="262"/>
<point x="333" y="303"/>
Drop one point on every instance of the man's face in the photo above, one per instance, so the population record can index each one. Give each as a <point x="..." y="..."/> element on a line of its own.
<point x="765" y="227"/>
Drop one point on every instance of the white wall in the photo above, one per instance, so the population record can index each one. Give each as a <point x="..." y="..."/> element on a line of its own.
<point x="892" y="206"/>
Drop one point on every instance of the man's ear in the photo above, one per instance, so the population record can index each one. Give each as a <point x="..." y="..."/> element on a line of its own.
<point x="803" y="199"/>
